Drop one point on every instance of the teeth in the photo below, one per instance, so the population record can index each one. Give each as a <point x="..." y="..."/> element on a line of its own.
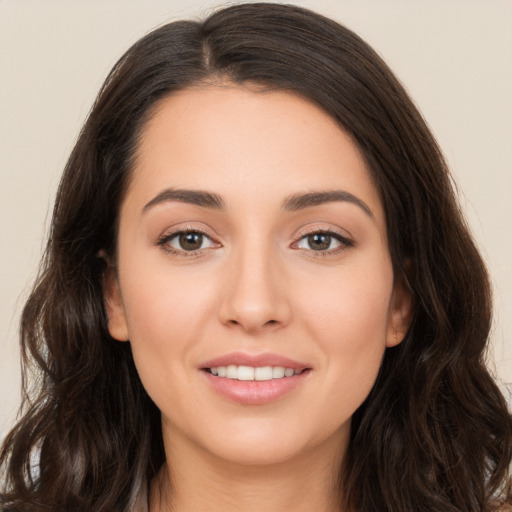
<point x="245" y="373"/>
<point x="232" y="372"/>
<point x="278" y="372"/>
<point x="263" y="373"/>
<point x="258" y="373"/>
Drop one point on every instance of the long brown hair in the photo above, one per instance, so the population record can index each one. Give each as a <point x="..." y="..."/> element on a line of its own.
<point x="434" y="434"/>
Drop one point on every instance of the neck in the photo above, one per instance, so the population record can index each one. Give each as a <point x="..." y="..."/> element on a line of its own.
<point x="194" y="480"/>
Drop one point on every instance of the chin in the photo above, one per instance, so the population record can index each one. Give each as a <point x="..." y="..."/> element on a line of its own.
<point x="261" y="443"/>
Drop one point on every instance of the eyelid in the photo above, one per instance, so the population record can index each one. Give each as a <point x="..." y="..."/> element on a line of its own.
<point x="345" y="241"/>
<point x="163" y="240"/>
<point x="340" y="235"/>
<point x="326" y="228"/>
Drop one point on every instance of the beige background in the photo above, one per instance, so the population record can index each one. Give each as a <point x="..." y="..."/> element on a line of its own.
<point x="454" y="56"/>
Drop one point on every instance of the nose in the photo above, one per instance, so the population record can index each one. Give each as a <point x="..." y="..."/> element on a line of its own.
<point x="255" y="295"/>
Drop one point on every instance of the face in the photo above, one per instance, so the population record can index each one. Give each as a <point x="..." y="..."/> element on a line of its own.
<point x="253" y="277"/>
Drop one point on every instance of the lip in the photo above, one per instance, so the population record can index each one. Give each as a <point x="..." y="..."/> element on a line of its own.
<point x="263" y="359"/>
<point x="254" y="392"/>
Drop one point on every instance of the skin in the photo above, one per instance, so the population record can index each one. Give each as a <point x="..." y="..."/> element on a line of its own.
<point x="256" y="285"/>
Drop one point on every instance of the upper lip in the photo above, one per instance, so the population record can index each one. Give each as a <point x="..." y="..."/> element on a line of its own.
<point x="254" y="360"/>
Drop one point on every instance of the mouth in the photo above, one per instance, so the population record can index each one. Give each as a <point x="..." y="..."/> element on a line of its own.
<point x="254" y="373"/>
<point x="254" y="379"/>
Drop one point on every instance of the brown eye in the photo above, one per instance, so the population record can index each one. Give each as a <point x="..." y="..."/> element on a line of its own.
<point x="319" y="241"/>
<point x="187" y="241"/>
<point x="190" y="241"/>
<point x="323" y="242"/>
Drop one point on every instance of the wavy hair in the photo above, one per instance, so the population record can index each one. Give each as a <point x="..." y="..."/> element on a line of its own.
<point x="434" y="434"/>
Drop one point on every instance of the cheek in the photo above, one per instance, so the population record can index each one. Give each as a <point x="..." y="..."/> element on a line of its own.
<point x="351" y="306"/>
<point x="167" y="315"/>
<point x="349" y="320"/>
<point x="160" y="299"/>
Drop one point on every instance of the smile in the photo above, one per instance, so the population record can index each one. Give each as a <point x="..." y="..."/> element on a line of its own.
<point x="254" y="379"/>
<point x="248" y="373"/>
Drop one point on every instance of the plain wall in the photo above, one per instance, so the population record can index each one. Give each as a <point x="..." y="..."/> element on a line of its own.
<point x="454" y="57"/>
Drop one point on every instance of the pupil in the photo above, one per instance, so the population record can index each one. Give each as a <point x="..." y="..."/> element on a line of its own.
<point x="319" y="241"/>
<point x="191" y="241"/>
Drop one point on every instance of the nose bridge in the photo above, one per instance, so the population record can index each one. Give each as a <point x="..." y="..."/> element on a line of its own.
<point x="254" y="294"/>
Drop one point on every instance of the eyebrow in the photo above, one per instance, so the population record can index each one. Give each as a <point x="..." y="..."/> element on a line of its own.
<point x="196" y="197"/>
<point x="301" y="201"/>
<point x="293" y="203"/>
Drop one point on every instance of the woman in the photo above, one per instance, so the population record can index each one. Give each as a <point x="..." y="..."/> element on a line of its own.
<point x="258" y="292"/>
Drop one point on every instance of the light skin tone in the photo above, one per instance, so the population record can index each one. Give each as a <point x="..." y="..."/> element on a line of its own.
<point x="251" y="226"/>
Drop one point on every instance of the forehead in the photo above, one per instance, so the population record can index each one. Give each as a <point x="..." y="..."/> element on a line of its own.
<point x="248" y="145"/>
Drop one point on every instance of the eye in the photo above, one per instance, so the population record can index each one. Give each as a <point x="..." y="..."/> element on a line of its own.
<point x="321" y="241"/>
<point x="186" y="241"/>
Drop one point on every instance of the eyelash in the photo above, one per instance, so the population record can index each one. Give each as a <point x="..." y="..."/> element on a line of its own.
<point x="345" y="243"/>
<point x="164" y="240"/>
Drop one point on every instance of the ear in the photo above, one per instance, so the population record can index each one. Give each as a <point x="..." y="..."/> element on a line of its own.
<point x="400" y="314"/>
<point x="114" y="307"/>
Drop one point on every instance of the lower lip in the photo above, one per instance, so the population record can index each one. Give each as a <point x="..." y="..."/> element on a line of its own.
<point x="254" y="392"/>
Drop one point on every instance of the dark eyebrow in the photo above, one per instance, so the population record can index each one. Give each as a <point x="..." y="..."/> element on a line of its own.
<point x="292" y="203"/>
<point x="196" y="197"/>
<point x="301" y="201"/>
